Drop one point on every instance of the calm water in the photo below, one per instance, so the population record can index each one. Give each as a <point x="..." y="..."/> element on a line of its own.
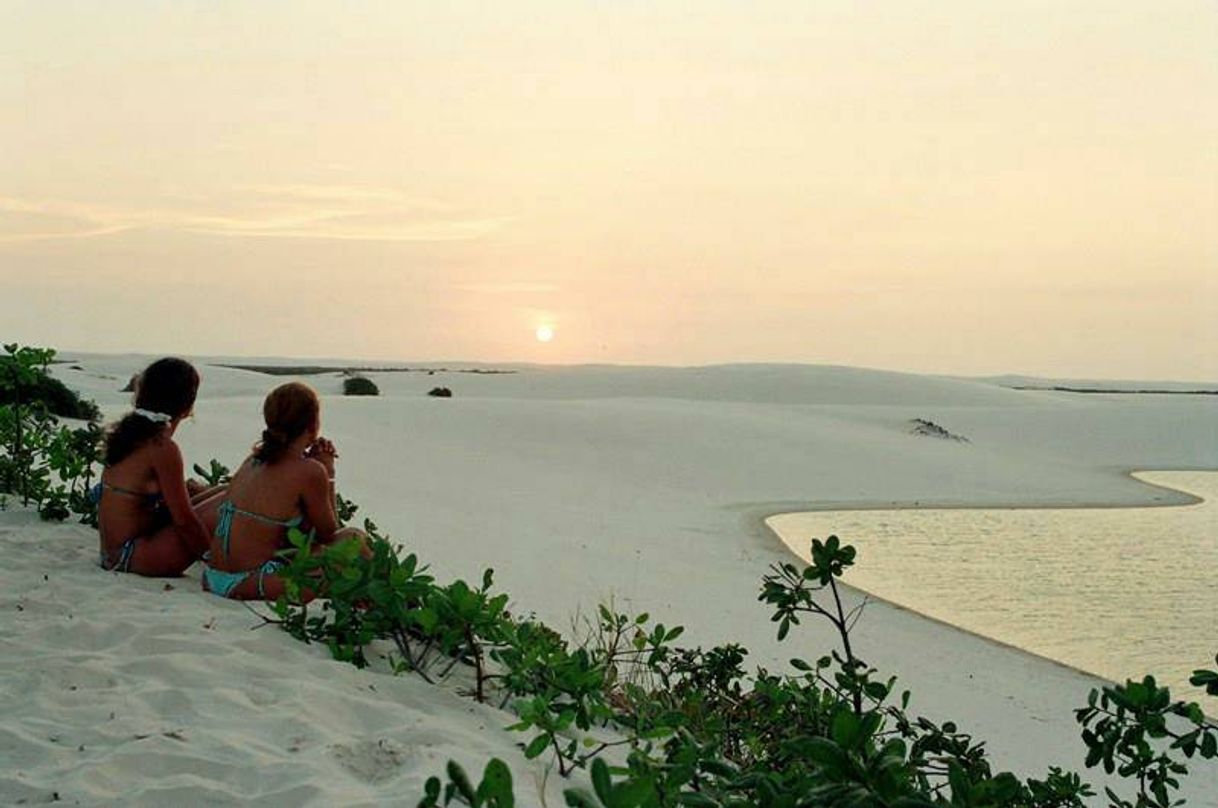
<point x="1118" y="592"/>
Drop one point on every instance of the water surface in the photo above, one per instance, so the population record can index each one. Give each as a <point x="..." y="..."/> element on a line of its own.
<point x="1118" y="592"/>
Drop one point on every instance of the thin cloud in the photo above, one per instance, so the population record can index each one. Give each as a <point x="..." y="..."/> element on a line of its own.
<point x="509" y="288"/>
<point x="346" y="194"/>
<point x="25" y="220"/>
<point x="349" y="213"/>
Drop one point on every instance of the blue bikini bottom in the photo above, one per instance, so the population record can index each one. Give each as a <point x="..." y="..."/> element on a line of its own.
<point x="121" y="560"/>
<point x="222" y="583"/>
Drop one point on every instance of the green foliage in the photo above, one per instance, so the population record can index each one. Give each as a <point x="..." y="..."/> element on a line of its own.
<point x="690" y="727"/>
<point x="24" y="381"/>
<point x="1137" y="730"/>
<point x="1207" y="679"/>
<point x="43" y="462"/>
<point x="360" y="386"/>
<point x="494" y="790"/>
<point x="564" y="690"/>
<point x="367" y="598"/>
<point x="387" y="596"/>
<point x="215" y="474"/>
<point x="345" y="509"/>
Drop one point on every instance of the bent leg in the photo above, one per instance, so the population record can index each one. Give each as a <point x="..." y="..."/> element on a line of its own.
<point x="200" y="493"/>
<point x="272" y="589"/>
<point x="354" y="533"/>
<point x="272" y="585"/>
<point x="166" y="553"/>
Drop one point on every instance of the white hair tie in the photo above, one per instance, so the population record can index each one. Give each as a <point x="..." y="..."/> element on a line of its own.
<point x="155" y="417"/>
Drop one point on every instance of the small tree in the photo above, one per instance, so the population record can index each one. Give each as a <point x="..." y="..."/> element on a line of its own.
<point x="360" y="386"/>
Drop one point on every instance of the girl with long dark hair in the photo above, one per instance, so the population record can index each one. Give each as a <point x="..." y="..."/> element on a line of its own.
<point x="145" y="517"/>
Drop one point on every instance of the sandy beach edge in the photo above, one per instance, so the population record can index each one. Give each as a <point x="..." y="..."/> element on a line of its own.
<point x="758" y="521"/>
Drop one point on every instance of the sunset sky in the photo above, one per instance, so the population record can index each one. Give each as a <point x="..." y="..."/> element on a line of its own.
<point x="951" y="186"/>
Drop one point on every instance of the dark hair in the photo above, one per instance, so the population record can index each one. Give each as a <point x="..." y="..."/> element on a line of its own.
<point x="290" y="410"/>
<point x="166" y="386"/>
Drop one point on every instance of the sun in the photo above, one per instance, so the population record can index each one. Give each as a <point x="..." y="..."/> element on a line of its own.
<point x="545" y="333"/>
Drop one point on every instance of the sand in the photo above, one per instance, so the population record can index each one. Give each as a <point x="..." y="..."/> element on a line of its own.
<point x="645" y="485"/>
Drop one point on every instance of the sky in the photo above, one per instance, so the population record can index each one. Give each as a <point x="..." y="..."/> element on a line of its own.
<point x="946" y="187"/>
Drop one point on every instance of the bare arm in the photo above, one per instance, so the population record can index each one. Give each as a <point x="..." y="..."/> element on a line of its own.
<point x="170" y="472"/>
<point x="318" y="501"/>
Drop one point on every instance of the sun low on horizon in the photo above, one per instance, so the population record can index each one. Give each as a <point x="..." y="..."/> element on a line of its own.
<point x="878" y="185"/>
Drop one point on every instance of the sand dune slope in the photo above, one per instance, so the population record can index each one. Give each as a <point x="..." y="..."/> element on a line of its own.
<point x="125" y="691"/>
<point x="644" y="485"/>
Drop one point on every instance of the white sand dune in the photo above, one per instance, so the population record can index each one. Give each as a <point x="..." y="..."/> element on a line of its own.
<point x="647" y="485"/>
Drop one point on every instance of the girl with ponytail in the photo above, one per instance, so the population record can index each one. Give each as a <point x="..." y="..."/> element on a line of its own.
<point x="286" y="482"/>
<point x="146" y="523"/>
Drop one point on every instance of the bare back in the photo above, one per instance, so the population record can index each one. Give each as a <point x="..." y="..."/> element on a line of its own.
<point x="132" y="503"/>
<point x="265" y="499"/>
<point x="146" y="523"/>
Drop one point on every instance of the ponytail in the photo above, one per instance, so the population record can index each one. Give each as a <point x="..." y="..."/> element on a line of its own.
<point x="290" y="410"/>
<point x="273" y="445"/>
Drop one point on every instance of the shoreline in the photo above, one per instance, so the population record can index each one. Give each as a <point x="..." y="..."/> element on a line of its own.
<point x="756" y="514"/>
<point x="1192" y="499"/>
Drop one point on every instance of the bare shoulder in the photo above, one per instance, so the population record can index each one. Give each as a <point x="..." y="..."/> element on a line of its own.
<point x="245" y="466"/>
<point x="309" y="471"/>
<point x="163" y="449"/>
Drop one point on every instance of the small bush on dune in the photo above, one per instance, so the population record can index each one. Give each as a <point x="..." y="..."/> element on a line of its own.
<point x="42" y="462"/>
<point x="440" y="392"/>
<point x="360" y="386"/>
<point x="24" y="381"/>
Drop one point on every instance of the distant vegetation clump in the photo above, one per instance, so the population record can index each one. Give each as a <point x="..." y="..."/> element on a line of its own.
<point x="314" y="370"/>
<point x="360" y="386"/>
<point x="930" y="429"/>
<point x="440" y="392"/>
<point x="37" y="388"/>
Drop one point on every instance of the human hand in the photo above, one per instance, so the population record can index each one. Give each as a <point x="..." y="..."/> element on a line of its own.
<point x="322" y="450"/>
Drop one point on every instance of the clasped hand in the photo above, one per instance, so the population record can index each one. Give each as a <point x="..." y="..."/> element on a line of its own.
<point x="322" y="450"/>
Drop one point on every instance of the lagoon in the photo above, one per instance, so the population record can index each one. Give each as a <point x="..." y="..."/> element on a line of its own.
<point x="1117" y="592"/>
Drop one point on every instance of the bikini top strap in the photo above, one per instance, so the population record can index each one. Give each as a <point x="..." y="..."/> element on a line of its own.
<point x="126" y="491"/>
<point x="224" y="521"/>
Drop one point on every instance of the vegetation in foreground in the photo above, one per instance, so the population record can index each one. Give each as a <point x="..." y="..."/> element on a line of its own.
<point x="657" y="725"/>
<point x="653" y="724"/>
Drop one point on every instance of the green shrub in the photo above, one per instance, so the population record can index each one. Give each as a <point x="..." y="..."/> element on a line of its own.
<point x="43" y="462"/>
<point x="1125" y="728"/>
<point x="60" y="400"/>
<point x="215" y="474"/>
<point x="701" y="733"/>
<point x="360" y="386"/>
<point x="691" y="727"/>
<point x="24" y="381"/>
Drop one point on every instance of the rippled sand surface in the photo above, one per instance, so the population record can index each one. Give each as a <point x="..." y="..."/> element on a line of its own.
<point x="1118" y="592"/>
